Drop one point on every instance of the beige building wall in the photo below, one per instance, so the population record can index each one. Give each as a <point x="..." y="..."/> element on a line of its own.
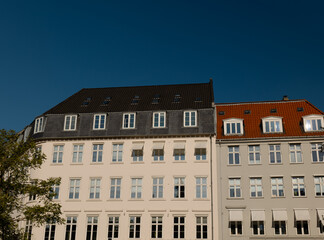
<point x="265" y="170"/>
<point x="190" y="207"/>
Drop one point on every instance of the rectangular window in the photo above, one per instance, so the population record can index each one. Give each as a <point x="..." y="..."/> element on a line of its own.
<point x="134" y="227"/>
<point x="32" y="195"/>
<point x="74" y="191"/>
<point x="159" y="119"/>
<point x="277" y="187"/>
<point x="137" y="155"/>
<point x="298" y="186"/>
<point x="136" y="192"/>
<point x="49" y="231"/>
<point x="77" y="153"/>
<point x="280" y="227"/>
<point x="58" y="154"/>
<point x="113" y="227"/>
<point x="302" y="227"/>
<point x="233" y="155"/>
<point x="70" y="122"/>
<point x="94" y="188"/>
<point x="313" y="124"/>
<point x="190" y="119"/>
<point x="179" y="154"/>
<point x="99" y="121"/>
<point x="56" y="191"/>
<point x="236" y="227"/>
<point x="275" y="153"/>
<point x="201" y="187"/>
<point x="234" y="187"/>
<point x="129" y="120"/>
<point x="201" y="228"/>
<point x="272" y="126"/>
<point x="117" y="153"/>
<point x="156" y="227"/>
<point x="39" y="123"/>
<point x="115" y="188"/>
<point x="319" y="185"/>
<point x="97" y="153"/>
<point x="179" y="227"/>
<point x="200" y="153"/>
<point x="254" y="154"/>
<point x="28" y="230"/>
<point x="158" y="155"/>
<point x="71" y="225"/>
<point x="317" y="154"/>
<point x="258" y="227"/>
<point x="233" y="128"/>
<point x="179" y="187"/>
<point x="256" y="187"/>
<point x="157" y="187"/>
<point x="92" y="228"/>
<point x="295" y="153"/>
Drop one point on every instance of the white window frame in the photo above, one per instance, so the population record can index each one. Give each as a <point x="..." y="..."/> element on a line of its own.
<point x="160" y="122"/>
<point x="177" y="227"/>
<point x="97" y="153"/>
<point x="317" y="154"/>
<point x="270" y="120"/>
<point x="258" y="225"/>
<point x="256" y="187"/>
<point x="92" y="221"/>
<point x="74" y="188"/>
<point x="276" y="153"/>
<point x="201" y="154"/>
<point x="50" y="230"/>
<point x="94" y="192"/>
<point x="298" y="183"/>
<point x="157" y="223"/>
<point x="100" y="125"/>
<point x="158" y="155"/>
<point x="134" y="227"/>
<point x="157" y="189"/>
<point x="302" y="227"/>
<point x="294" y="152"/>
<point x="192" y="121"/>
<point x="136" y="188"/>
<point x="237" y="225"/>
<point x="232" y="124"/>
<point x="71" y="227"/>
<point x="115" y="187"/>
<point x="254" y="154"/>
<point x="127" y="122"/>
<point x="28" y="229"/>
<point x="68" y="120"/>
<point x="234" y="151"/>
<point x="179" y="189"/>
<point x="137" y="155"/>
<point x="281" y="225"/>
<point x="39" y="125"/>
<point x="201" y="187"/>
<point x="58" y="150"/>
<point x="319" y="186"/>
<point x="276" y="186"/>
<point x="117" y="155"/>
<point x="56" y="189"/>
<point x="235" y="185"/>
<point x="113" y="226"/>
<point x="77" y="153"/>
<point x="313" y="122"/>
<point x="201" y="227"/>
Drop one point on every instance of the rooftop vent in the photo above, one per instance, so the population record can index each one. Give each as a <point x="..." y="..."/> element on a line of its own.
<point x="221" y="113"/>
<point x="156" y="99"/>
<point x="86" y="101"/>
<point x="106" y="101"/>
<point x="177" y="98"/>
<point x="247" y="111"/>
<point x="135" y="99"/>
<point x="273" y="110"/>
<point x="300" y="109"/>
<point x="285" y="98"/>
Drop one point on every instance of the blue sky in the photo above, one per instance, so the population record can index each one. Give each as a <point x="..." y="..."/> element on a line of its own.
<point x="253" y="50"/>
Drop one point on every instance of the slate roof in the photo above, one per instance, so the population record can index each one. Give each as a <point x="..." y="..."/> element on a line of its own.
<point x="291" y="118"/>
<point x="122" y="99"/>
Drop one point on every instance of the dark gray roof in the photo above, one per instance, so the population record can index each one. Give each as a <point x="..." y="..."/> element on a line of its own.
<point x="123" y="99"/>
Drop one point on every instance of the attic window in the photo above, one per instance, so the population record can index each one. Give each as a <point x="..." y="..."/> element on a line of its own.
<point x="86" y="101"/>
<point x="135" y="99"/>
<point x="177" y="98"/>
<point x="274" y="110"/>
<point x="106" y="101"/>
<point x="221" y="113"/>
<point x="300" y="109"/>
<point x="156" y="98"/>
<point x="247" y="111"/>
<point x="198" y="99"/>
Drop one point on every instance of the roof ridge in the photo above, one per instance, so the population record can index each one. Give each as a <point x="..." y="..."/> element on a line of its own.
<point x="260" y="102"/>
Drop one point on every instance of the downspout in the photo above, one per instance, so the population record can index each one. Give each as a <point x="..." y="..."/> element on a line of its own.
<point x="212" y="187"/>
<point x="220" y="205"/>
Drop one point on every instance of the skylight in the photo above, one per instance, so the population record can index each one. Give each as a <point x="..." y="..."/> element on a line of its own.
<point x="86" y="101"/>
<point x="177" y="98"/>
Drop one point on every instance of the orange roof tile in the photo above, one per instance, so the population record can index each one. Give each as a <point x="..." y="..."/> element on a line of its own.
<point x="291" y="118"/>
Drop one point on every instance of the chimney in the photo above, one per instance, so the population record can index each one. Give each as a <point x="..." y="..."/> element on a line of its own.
<point x="285" y="98"/>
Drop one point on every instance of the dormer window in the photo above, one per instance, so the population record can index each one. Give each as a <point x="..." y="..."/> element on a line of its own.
<point x="272" y="125"/>
<point x="233" y="126"/>
<point x="39" y="125"/>
<point x="313" y="123"/>
<point x="70" y="122"/>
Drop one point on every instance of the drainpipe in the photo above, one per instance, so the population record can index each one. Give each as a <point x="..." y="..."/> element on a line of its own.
<point x="212" y="187"/>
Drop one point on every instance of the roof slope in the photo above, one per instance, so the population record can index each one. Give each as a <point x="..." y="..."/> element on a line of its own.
<point x="291" y="118"/>
<point x="192" y="96"/>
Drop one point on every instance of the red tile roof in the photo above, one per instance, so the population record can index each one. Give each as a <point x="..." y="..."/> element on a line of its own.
<point x="292" y="120"/>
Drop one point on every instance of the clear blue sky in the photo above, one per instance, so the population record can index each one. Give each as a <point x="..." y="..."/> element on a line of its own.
<point x="254" y="50"/>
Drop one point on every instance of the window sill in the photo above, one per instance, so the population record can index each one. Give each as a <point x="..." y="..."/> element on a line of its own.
<point x="116" y="162"/>
<point x="158" y="162"/>
<point x="76" y="163"/>
<point x="276" y="163"/>
<point x="254" y="164"/>
<point x="94" y="200"/>
<point x="256" y="198"/>
<point x="157" y="199"/>
<point x="179" y="199"/>
<point x="233" y="165"/>
<point x="235" y="198"/>
<point x="96" y="163"/>
<point x="279" y="197"/>
<point x="299" y="196"/>
<point x="319" y="196"/>
<point x="99" y="129"/>
<point x="296" y="163"/>
<point x="142" y="162"/>
<point x="73" y="200"/>
<point x="190" y="126"/>
<point x="318" y="162"/>
<point x="136" y="200"/>
<point x="114" y="200"/>
<point x="56" y="164"/>
<point x="201" y="199"/>
<point x="200" y="161"/>
<point x="179" y="161"/>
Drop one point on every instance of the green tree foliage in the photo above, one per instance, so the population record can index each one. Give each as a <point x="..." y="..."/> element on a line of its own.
<point x="17" y="159"/>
